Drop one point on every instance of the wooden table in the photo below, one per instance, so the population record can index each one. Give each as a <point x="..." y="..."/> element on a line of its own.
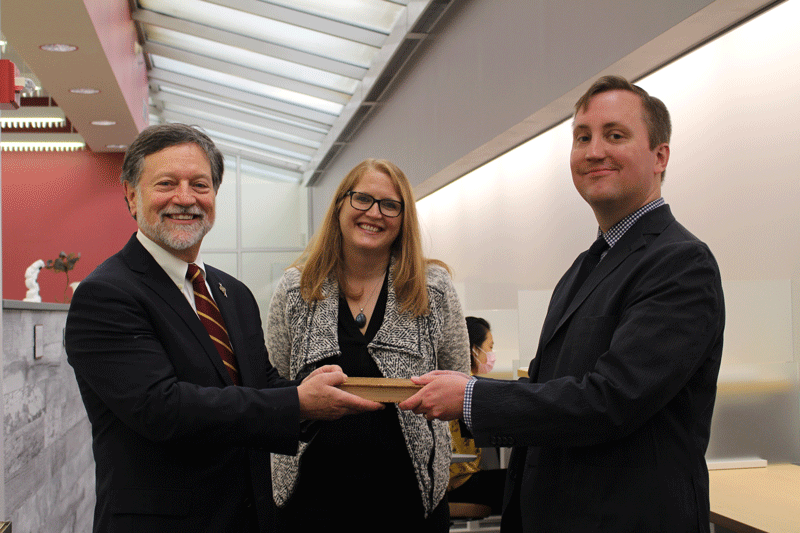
<point x="756" y="500"/>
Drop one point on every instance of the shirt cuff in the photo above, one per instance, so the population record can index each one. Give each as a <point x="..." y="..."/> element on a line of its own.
<point x="468" y="403"/>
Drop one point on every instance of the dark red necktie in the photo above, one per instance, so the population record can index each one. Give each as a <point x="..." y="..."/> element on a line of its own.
<point x="211" y="318"/>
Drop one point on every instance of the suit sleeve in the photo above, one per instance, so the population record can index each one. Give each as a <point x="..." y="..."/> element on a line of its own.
<point x="662" y="339"/>
<point x="136" y="364"/>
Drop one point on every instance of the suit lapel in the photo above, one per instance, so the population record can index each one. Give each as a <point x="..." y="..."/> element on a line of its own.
<point x="153" y="276"/>
<point x="652" y="222"/>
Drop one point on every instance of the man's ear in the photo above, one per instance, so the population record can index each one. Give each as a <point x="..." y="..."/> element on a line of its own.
<point x="130" y="197"/>
<point x="662" y="157"/>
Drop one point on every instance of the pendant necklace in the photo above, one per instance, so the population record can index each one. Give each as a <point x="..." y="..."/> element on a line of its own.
<point x="361" y="319"/>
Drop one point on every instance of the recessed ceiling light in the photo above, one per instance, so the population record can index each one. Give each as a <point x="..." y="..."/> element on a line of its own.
<point x="103" y="122"/>
<point x="58" y="47"/>
<point x="84" y="90"/>
<point x="117" y="146"/>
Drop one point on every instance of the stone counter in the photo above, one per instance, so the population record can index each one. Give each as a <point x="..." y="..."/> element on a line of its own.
<point x="49" y="469"/>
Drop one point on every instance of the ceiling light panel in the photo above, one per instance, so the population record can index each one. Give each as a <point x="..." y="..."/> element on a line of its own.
<point x="374" y="15"/>
<point x="250" y="86"/>
<point x="33" y="117"/>
<point x="244" y="124"/>
<point x="42" y="142"/>
<point x="246" y="58"/>
<point x="266" y="29"/>
<point x="289" y="157"/>
<point x="161" y="80"/>
<point x="256" y="112"/>
<point x="276" y="81"/>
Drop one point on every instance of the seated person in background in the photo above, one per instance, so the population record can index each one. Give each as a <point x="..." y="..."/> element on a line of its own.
<point x="468" y="483"/>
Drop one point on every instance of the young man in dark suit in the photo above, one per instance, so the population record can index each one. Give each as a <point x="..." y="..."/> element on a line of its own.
<point x="184" y="405"/>
<point x="611" y="429"/>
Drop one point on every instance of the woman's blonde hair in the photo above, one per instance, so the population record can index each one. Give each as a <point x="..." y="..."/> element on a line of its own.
<point x="324" y="256"/>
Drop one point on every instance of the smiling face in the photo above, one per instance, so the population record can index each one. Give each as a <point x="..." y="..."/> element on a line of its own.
<point x="612" y="164"/>
<point x="173" y="202"/>
<point x="370" y="231"/>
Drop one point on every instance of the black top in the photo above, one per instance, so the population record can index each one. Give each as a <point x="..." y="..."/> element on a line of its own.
<point x="357" y="472"/>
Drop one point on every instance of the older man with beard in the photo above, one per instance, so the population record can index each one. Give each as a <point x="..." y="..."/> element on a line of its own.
<point x="171" y="362"/>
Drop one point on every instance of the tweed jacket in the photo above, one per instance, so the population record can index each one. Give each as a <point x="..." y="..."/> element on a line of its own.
<point x="300" y="335"/>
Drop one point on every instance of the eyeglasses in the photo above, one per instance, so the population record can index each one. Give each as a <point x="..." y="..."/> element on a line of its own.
<point x="363" y="202"/>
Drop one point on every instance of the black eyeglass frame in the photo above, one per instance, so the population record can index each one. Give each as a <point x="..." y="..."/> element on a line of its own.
<point x="374" y="201"/>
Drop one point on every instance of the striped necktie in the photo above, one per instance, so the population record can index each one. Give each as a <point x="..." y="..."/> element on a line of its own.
<point x="212" y="320"/>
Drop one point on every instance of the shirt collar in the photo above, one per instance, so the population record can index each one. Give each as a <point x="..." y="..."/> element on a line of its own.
<point x="615" y="233"/>
<point x="174" y="267"/>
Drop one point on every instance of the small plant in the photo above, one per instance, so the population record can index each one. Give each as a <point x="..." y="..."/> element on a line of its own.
<point x="63" y="263"/>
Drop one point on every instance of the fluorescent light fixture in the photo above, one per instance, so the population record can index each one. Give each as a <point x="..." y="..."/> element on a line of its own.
<point x="117" y="146"/>
<point x="103" y="122"/>
<point x="58" y="47"/>
<point x="33" y="117"/>
<point x="84" y="90"/>
<point x="41" y="142"/>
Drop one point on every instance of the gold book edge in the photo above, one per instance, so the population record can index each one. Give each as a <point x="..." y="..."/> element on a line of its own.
<point x="384" y="390"/>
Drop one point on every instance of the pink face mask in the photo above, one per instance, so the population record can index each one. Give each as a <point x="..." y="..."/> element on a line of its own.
<point x="485" y="368"/>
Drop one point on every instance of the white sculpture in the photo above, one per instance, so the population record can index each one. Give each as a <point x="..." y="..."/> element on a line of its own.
<point x="31" y="273"/>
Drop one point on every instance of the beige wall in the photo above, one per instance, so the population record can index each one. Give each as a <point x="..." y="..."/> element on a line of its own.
<point x="511" y="228"/>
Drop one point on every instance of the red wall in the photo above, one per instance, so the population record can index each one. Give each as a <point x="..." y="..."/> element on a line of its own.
<point x="60" y="201"/>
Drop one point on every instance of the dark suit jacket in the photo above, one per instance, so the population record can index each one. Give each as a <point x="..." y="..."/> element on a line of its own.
<point x="177" y="447"/>
<point x="612" y="429"/>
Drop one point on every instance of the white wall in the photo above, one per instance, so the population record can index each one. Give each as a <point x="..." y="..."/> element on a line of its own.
<point x="512" y="227"/>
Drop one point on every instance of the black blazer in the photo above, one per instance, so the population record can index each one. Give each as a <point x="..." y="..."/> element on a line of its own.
<point x="612" y="429"/>
<point x="177" y="447"/>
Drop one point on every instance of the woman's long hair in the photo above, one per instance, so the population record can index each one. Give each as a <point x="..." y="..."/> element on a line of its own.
<point x="324" y="256"/>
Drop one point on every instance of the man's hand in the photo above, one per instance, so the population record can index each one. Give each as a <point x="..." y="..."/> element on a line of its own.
<point x="321" y="400"/>
<point x="441" y="397"/>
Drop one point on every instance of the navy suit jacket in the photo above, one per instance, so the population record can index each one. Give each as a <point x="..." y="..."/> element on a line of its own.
<point x="611" y="430"/>
<point x="177" y="447"/>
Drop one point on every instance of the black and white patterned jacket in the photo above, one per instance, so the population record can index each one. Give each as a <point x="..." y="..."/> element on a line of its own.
<point x="300" y="335"/>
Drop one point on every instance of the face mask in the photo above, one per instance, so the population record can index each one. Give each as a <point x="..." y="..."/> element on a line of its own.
<point x="485" y="368"/>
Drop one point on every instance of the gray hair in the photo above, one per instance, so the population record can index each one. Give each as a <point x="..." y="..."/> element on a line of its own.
<point x="156" y="138"/>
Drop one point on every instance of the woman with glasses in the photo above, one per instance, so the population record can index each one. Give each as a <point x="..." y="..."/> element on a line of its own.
<point x="364" y="297"/>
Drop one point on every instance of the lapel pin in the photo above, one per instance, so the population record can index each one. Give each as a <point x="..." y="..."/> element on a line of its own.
<point x="224" y="292"/>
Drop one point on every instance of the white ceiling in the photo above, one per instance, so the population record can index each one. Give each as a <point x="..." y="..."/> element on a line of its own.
<point x="282" y="83"/>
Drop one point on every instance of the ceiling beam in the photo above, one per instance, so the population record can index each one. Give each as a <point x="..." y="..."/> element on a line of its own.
<point x="290" y="152"/>
<point x="305" y="20"/>
<point x="248" y="43"/>
<point x="247" y="73"/>
<point x="161" y="76"/>
<point x="301" y="136"/>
